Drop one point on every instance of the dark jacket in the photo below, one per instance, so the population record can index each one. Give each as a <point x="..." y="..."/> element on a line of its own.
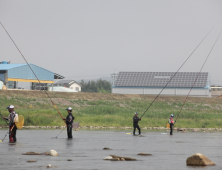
<point x="69" y="119"/>
<point x="136" y="119"/>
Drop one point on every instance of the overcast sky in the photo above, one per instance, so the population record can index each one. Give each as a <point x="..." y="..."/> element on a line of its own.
<point x="94" y="38"/>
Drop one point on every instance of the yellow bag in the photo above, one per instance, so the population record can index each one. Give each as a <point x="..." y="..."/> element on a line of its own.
<point x="19" y="122"/>
<point x="168" y="125"/>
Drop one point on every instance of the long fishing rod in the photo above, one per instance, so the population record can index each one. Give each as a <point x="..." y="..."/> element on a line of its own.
<point x="33" y="73"/>
<point x="176" y="72"/>
<point x="4" y="119"/>
<point x="7" y="132"/>
<point x="198" y="76"/>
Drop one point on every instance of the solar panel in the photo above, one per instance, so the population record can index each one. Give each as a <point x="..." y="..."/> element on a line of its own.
<point x="159" y="79"/>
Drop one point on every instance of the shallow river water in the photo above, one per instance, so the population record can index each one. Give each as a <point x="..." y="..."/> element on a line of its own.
<point x="86" y="150"/>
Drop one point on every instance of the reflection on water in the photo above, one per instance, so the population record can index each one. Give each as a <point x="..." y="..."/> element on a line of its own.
<point x="85" y="149"/>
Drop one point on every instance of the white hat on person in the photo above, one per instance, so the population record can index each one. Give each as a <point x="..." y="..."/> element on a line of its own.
<point x="10" y="107"/>
<point x="69" y="108"/>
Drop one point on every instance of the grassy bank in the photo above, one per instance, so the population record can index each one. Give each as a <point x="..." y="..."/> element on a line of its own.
<point x="92" y="109"/>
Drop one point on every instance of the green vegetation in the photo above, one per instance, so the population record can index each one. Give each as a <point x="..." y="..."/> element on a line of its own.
<point x="98" y="86"/>
<point x="92" y="109"/>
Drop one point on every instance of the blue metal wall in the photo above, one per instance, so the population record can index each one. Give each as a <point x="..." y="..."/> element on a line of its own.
<point x="24" y="72"/>
<point x="2" y="77"/>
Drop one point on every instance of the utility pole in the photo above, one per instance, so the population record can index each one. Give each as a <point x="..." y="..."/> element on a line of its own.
<point x="114" y="76"/>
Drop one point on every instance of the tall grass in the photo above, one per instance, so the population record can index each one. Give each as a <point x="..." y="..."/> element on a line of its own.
<point x="118" y="113"/>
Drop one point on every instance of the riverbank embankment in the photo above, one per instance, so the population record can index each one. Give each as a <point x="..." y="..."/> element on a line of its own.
<point x="112" y="110"/>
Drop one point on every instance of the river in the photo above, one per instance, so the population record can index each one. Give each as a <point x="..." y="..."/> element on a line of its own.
<point x="86" y="150"/>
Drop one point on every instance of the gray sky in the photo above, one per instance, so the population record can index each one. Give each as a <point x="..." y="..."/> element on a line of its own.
<point x="89" y="39"/>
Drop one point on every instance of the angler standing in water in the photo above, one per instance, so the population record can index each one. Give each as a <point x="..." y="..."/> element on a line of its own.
<point x="171" y="122"/>
<point x="136" y="119"/>
<point x="12" y="118"/>
<point x="69" y="120"/>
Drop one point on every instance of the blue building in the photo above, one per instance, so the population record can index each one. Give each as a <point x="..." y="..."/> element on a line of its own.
<point x="11" y="74"/>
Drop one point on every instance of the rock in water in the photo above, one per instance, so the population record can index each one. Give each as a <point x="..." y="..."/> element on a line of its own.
<point x="106" y="148"/>
<point x="45" y="153"/>
<point x="144" y="154"/>
<point x="53" y="153"/>
<point x="118" y="158"/>
<point x="31" y="161"/>
<point x="199" y="159"/>
<point x="31" y="153"/>
<point x="49" y="166"/>
<point x="108" y="158"/>
<point x="126" y="158"/>
<point x="115" y="159"/>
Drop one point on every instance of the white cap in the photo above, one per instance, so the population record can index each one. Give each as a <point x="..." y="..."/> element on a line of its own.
<point x="136" y="113"/>
<point x="10" y="107"/>
<point x="69" y="108"/>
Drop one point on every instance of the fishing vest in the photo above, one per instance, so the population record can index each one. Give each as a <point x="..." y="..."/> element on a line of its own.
<point x="13" y="117"/>
<point x="171" y="120"/>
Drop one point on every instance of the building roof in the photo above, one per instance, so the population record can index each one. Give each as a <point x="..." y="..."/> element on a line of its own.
<point x="160" y="79"/>
<point x="18" y="70"/>
<point x="10" y="66"/>
<point x="70" y="82"/>
<point x="57" y="76"/>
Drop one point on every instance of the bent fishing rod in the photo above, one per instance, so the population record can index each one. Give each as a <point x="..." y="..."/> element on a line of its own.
<point x="33" y="72"/>
<point x="176" y="72"/>
<point x="198" y="75"/>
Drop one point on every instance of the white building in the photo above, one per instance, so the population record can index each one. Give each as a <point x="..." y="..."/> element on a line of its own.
<point x="153" y="82"/>
<point x="71" y="84"/>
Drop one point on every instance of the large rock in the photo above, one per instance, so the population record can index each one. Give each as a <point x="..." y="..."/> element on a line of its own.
<point x="199" y="159"/>
<point x="53" y="153"/>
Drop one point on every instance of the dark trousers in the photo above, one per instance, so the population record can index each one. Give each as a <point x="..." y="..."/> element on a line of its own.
<point x="69" y="130"/>
<point x="12" y="133"/>
<point x="171" y="128"/>
<point x="135" y="125"/>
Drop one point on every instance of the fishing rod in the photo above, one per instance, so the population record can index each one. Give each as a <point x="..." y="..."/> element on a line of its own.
<point x="9" y="129"/>
<point x="4" y="119"/>
<point x="33" y="73"/>
<point x="7" y="132"/>
<point x="198" y="75"/>
<point x="176" y="72"/>
<point x="59" y="133"/>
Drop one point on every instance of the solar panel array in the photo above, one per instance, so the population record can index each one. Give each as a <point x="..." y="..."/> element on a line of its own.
<point x="160" y="79"/>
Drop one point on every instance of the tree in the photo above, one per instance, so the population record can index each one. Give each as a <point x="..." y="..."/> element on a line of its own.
<point x="98" y="86"/>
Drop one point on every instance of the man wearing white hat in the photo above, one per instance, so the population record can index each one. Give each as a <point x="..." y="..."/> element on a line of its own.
<point x="13" y="116"/>
<point x="69" y="120"/>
